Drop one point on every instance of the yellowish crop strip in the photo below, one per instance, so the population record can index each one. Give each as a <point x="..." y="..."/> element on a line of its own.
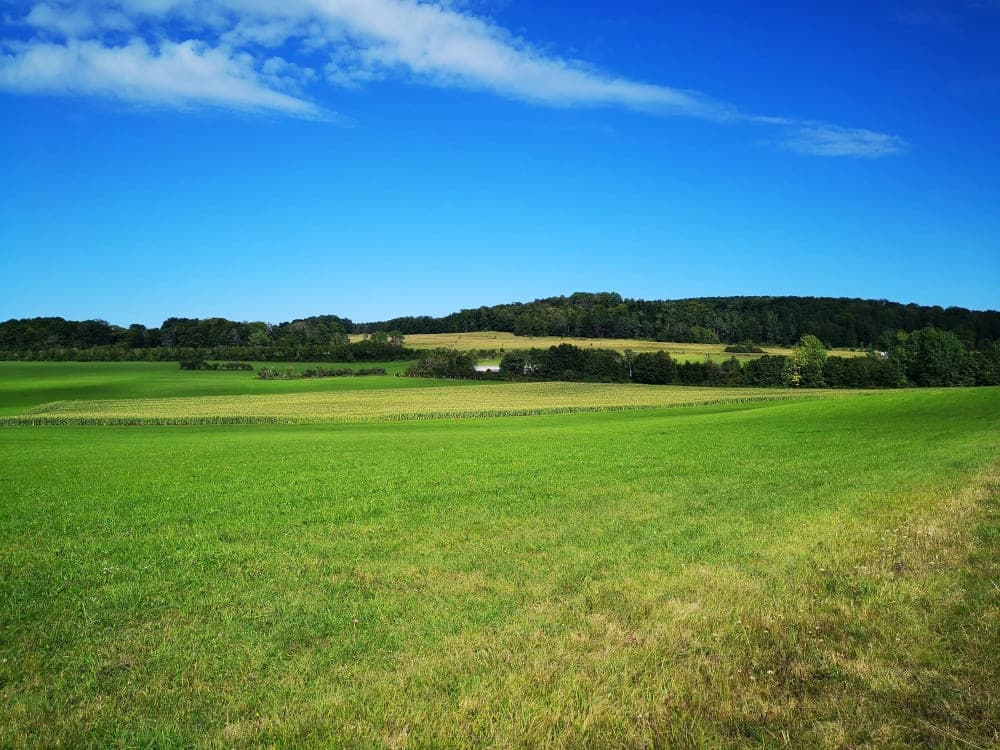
<point x="487" y="340"/>
<point x="514" y="399"/>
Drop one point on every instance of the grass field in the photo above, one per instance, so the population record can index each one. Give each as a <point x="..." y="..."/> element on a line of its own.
<point x="508" y="341"/>
<point x="24" y="385"/>
<point x="814" y="573"/>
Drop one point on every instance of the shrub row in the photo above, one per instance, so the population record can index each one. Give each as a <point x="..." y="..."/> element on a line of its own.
<point x="317" y="372"/>
<point x="200" y="364"/>
<point x="745" y="347"/>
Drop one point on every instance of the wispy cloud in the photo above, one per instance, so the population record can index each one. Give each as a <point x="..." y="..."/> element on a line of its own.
<point x="265" y="54"/>
<point x="830" y="140"/>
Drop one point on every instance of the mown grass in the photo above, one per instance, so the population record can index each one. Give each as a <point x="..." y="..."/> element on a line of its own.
<point x="508" y="341"/>
<point x="503" y="399"/>
<point x="818" y="573"/>
<point x="24" y="385"/>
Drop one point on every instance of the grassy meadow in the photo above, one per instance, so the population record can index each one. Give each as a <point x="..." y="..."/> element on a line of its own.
<point x="806" y="571"/>
<point x="508" y="341"/>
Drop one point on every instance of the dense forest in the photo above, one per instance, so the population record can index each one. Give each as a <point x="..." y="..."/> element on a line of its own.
<point x="781" y="321"/>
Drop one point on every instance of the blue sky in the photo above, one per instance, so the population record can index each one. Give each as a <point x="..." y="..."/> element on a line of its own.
<point x="372" y="158"/>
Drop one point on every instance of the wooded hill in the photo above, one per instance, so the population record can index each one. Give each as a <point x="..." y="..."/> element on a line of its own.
<point x="780" y="321"/>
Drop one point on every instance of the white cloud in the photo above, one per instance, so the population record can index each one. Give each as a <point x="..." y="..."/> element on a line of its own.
<point x="829" y="140"/>
<point x="448" y="48"/>
<point x="237" y="53"/>
<point x="180" y="74"/>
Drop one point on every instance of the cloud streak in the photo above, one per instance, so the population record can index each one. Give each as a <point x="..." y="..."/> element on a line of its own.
<point x="176" y="74"/>
<point x="819" y="139"/>
<point x="265" y="54"/>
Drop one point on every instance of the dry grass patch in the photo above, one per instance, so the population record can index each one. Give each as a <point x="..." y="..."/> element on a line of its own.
<point x="494" y="340"/>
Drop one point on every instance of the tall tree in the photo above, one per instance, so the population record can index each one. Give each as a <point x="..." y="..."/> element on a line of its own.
<point x="808" y="359"/>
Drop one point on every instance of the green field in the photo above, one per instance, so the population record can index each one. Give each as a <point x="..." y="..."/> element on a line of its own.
<point x="813" y="572"/>
<point x="28" y="384"/>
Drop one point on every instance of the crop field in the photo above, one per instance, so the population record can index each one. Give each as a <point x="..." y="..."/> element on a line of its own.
<point x="508" y="341"/>
<point x="501" y="399"/>
<point x="776" y="569"/>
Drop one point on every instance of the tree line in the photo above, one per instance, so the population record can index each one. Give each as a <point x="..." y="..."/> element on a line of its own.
<point x="738" y="321"/>
<point x="328" y="331"/>
<point x="321" y="339"/>
<point x="927" y="357"/>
